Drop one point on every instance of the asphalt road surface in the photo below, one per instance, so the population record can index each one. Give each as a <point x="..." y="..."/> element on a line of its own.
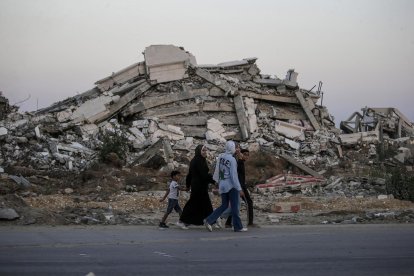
<point x="142" y="250"/>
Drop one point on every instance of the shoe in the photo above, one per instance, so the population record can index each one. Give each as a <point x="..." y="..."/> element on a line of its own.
<point x="208" y="226"/>
<point x="216" y="226"/>
<point x="244" y="229"/>
<point x="162" y="225"/>
<point x="219" y="224"/>
<point x="181" y="225"/>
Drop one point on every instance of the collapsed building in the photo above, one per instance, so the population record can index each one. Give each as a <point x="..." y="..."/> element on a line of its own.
<point x="167" y="104"/>
<point x="163" y="107"/>
<point x="374" y="123"/>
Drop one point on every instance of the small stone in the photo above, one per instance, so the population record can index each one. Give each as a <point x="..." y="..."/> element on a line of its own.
<point x="8" y="214"/>
<point x="68" y="190"/>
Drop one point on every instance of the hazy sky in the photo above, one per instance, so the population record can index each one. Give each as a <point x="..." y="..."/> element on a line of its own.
<point x="362" y="50"/>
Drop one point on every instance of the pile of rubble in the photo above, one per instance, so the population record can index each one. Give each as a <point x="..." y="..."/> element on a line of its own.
<point x="168" y="104"/>
<point x="168" y="96"/>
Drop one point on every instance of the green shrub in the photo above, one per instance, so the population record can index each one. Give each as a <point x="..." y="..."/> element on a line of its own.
<point x="113" y="144"/>
<point x="400" y="183"/>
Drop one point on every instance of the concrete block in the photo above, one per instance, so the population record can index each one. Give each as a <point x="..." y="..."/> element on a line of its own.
<point x="355" y="138"/>
<point x="254" y="147"/>
<point x="75" y="147"/>
<point x="18" y="124"/>
<point x="251" y="114"/>
<point x="159" y="133"/>
<point x="253" y="70"/>
<point x="3" y="131"/>
<point x="233" y="63"/>
<point x="291" y="77"/>
<point x="403" y="154"/>
<point x="140" y="123"/>
<point x="8" y="214"/>
<point x="172" y="129"/>
<point x="250" y="106"/>
<point x="63" y="116"/>
<point x="242" y="117"/>
<point x="37" y="132"/>
<point x="229" y="134"/>
<point x="137" y="134"/>
<point x="292" y="144"/>
<point x="286" y="207"/>
<point x="141" y="145"/>
<point x="382" y="197"/>
<point x="152" y="127"/>
<point x="184" y="144"/>
<point x="215" y="126"/>
<point x="289" y="130"/>
<point x="88" y="130"/>
<point x="121" y="76"/>
<point x="268" y="82"/>
<point x="166" y="63"/>
<point x="91" y="108"/>
<point x="21" y="140"/>
<point x="211" y="136"/>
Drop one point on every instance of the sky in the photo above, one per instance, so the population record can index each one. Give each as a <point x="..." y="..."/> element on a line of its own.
<point x="361" y="50"/>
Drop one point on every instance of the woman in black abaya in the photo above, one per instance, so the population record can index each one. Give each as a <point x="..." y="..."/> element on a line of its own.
<point x="198" y="207"/>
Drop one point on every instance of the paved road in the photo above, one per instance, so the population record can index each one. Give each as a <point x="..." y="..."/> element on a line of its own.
<point x="142" y="250"/>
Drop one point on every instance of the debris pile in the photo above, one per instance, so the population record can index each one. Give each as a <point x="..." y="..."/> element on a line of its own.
<point x="169" y="97"/>
<point x="166" y="105"/>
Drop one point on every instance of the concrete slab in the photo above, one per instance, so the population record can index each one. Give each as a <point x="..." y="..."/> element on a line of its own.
<point x="166" y="63"/>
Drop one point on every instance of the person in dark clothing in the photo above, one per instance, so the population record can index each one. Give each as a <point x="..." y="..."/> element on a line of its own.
<point x="199" y="206"/>
<point x="241" y="172"/>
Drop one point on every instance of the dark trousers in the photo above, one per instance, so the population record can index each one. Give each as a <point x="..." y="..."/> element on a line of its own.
<point x="249" y="202"/>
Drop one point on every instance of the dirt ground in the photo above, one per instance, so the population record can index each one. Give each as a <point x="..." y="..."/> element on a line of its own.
<point x="105" y="194"/>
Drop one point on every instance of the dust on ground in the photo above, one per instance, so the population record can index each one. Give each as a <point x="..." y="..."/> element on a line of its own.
<point x="106" y="194"/>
